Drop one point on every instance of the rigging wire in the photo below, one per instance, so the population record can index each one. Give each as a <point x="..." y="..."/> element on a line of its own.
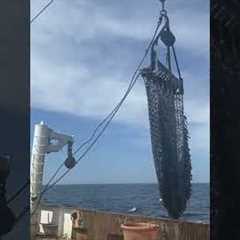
<point x="22" y="214"/>
<point x="89" y="147"/>
<point x="26" y="209"/>
<point x="49" y="181"/>
<point x="47" y="186"/>
<point x="99" y="135"/>
<point x="56" y="172"/>
<point x="41" y="11"/>
<point x="132" y="82"/>
<point x="137" y="69"/>
<point x="106" y="120"/>
<point x="21" y="189"/>
<point x="176" y="61"/>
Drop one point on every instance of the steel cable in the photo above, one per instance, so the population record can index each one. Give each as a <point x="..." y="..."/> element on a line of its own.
<point x="41" y="11"/>
<point x="106" y="120"/>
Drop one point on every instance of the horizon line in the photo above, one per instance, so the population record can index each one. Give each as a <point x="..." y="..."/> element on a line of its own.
<point x="117" y="183"/>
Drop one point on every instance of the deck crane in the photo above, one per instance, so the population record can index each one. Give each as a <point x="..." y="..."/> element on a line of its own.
<point x="45" y="141"/>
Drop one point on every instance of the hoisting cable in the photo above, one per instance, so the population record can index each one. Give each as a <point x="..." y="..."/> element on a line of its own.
<point x="22" y="214"/>
<point x="176" y="61"/>
<point x="169" y="60"/>
<point x="115" y="110"/>
<point x="47" y="187"/>
<point x="98" y="136"/>
<point x="119" y="104"/>
<point x="26" y="209"/>
<point x="41" y="11"/>
<point x="109" y="115"/>
<point x="164" y="13"/>
<point x="88" y="149"/>
<point x="106" y="120"/>
<point x="21" y="189"/>
<point x="112" y="113"/>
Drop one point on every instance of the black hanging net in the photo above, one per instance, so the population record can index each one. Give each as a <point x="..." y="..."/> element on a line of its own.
<point x="168" y="126"/>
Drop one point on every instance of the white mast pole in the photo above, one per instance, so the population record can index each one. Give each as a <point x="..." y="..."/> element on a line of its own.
<point x="42" y="145"/>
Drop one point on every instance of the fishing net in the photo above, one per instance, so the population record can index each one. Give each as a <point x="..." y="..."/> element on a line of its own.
<point x="169" y="137"/>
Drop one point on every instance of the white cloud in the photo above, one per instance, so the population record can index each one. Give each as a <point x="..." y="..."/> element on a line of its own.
<point x="192" y="31"/>
<point x="79" y="92"/>
<point x="66" y="38"/>
<point x="200" y="138"/>
<point x="87" y="20"/>
<point x="76" y="88"/>
<point x="197" y="111"/>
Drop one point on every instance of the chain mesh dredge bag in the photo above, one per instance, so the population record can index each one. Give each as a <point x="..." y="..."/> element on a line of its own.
<point x="169" y="137"/>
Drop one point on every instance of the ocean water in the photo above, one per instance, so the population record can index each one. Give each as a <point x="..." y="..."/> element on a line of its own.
<point x="139" y="199"/>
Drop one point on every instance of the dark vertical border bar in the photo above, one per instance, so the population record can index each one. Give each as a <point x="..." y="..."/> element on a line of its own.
<point x="225" y="119"/>
<point x="15" y="108"/>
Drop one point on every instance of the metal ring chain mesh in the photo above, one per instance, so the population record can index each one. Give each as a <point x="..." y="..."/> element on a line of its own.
<point x="169" y="136"/>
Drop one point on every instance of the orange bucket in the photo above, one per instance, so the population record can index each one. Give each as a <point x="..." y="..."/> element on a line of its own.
<point x="140" y="231"/>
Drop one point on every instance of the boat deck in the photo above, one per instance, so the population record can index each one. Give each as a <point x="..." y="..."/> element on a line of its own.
<point x="97" y="225"/>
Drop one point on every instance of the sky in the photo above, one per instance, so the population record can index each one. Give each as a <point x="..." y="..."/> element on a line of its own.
<point x="83" y="53"/>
